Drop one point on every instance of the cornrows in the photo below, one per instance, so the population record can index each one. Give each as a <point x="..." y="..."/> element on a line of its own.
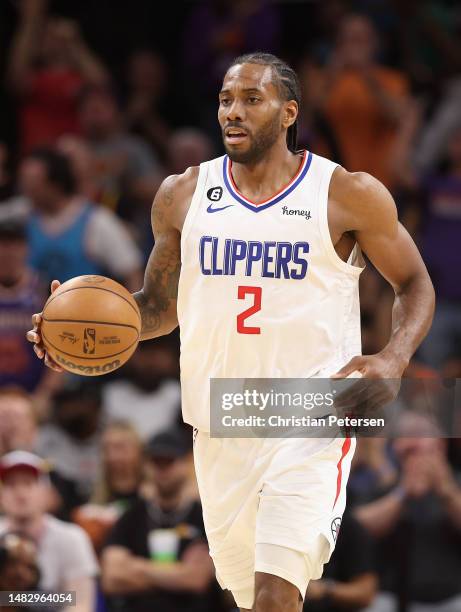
<point x="287" y="82"/>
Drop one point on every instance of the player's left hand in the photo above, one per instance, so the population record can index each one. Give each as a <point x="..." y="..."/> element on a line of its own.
<point x="381" y="386"/>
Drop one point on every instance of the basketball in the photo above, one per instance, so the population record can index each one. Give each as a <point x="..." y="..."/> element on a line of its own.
<point x="91" y="325"/>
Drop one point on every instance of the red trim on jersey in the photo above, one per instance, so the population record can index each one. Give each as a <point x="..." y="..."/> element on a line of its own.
<point x="298" y="172"/>
<point x="345" y="449"/>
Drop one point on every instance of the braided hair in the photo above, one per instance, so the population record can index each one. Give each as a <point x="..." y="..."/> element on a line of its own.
<point x="286" y="80"/>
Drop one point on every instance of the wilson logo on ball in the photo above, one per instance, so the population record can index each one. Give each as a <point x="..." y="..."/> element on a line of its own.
<point x="93" y="279"/>
<point x="89" y="340"/>
<point x="87" y="369"/>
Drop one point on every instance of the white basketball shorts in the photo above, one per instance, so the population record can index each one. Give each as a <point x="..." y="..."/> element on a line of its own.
<point x="271" y="505"/>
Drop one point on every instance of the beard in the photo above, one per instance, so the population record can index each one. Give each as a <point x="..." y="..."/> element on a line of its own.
<point x="260" y="142"/>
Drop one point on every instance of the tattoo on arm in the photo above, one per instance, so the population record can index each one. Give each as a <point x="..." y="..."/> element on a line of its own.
<point x="157" y="299"/>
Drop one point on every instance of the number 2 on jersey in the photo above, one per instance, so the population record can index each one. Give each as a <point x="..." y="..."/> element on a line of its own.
<point x="257" y="293"/>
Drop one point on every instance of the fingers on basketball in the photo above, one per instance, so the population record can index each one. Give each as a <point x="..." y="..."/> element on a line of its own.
<point x="54" y="285"/>
<point x="50" y="363"/>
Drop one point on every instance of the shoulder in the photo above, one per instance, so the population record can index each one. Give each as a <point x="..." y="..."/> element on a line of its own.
<point x="103" y="219"/>
<point x="65" y="533"/>
<point x="181" y="183"/>
<point x="357" y="187"/>
<point x="174" y="196"/>
<point x="72" y="546"/>
<point x="363" y="198"/>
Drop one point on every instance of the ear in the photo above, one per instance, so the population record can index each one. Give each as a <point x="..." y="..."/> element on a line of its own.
<point x="290" y="113"/>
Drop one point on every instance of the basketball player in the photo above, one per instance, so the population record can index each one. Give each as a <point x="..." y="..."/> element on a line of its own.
<point x="257" y="257"/>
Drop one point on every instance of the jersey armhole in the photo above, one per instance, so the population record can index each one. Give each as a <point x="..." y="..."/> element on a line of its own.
<point x="335" y="259"/>
<point x="195" y="202"/>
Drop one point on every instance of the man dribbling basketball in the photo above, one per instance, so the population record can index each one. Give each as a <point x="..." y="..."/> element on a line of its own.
<point x="257" y="258"/>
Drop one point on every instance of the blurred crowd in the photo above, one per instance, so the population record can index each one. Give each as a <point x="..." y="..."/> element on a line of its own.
<point x="99" y="102"/>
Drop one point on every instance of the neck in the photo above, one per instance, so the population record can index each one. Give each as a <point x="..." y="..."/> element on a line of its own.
<point x="57" y="205"/>
<point x="31" y="526"/>
<point x="124" y="482"/>
<point x="98" y="136"/>
<point x="169" y="501"/>
<point x="264" y="178"/>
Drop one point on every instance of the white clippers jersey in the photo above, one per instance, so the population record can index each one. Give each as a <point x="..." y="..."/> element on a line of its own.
<point x="262" y="291"/>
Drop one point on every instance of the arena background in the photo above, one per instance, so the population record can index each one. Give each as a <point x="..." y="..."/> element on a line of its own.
<point x="127" y="93"/>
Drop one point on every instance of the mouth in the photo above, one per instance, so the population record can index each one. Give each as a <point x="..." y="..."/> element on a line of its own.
<point x="235" y="135"/>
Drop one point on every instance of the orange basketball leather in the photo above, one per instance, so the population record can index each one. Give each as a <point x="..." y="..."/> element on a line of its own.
<point x="91" y="325"/>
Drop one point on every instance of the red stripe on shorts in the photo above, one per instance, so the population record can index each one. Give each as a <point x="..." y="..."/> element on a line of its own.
<point x="344" y="451"/>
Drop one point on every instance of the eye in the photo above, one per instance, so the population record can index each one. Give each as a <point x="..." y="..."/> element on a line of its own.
<point x="254" y="99"/>
<point x="224" y="101"/>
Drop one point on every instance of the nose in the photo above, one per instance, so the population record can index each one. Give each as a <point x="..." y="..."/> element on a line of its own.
<point x="235" y="112"/>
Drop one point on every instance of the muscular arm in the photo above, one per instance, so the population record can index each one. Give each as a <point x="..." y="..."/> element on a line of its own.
<point x="368" y="213"/>
<point x="157" y="299"/>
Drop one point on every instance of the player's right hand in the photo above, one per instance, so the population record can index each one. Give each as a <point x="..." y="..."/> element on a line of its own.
<point x="35" y="337"/>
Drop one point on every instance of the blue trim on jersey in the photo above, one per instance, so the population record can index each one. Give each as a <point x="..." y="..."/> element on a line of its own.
<point x="277" y="199"/>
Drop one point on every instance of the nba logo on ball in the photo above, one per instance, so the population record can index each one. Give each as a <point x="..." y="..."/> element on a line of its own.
<point x="89" y="340"/>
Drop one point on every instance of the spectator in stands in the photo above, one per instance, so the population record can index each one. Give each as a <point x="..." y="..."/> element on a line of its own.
<point x="18" y="562"/>
<point x="349" y="580"/>
<point x="68" y="235"/>
<point x="373" y="471"/>
<point x="145" y="108"/>
<point x="188" y="147"/>
<point x="363" y="102"/>
<point x="419" y="525"/>
<point x="72" y="439"/>
<point x="84" y="167"/>
<point x="18" y="424"/>
<point x="21" y="294"/>
<point x="19" y="431"/>
<point x="128" y="172"/>
<point x="150" y="384"/>
<point x="439" y="221"/>
<point x="119" y="483"/>
<point x="121" y="450"/>
<point x="156" y="556"/>
<point x="19" y="569"/>
<point x="65" y="557"/>
<point x="48" y="66"/>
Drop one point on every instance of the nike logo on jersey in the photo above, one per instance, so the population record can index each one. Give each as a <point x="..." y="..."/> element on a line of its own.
<point x="210" y="208"/>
